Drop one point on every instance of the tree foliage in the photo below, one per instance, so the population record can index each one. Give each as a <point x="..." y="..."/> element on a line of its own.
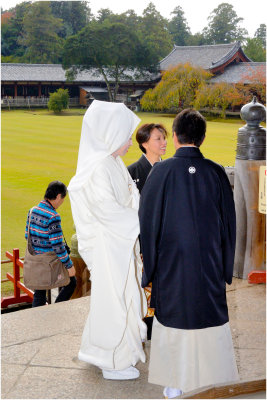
<point x="40" y="36"/>
<point x="177" y="88"/>
<point x="219" y="96"/>
<point x="223" y="95"/>
<point x="261" y="34"/>
<point x="255" y="50"/>
<point x="110" y="47"/>
<point x="155" y="35"/>
<point x="178" y="27"/>
<point x="224" y="26"/>
<point x="253" y="83"/>
<point x="11" y="32"/>
<point x="74" y="15"/>
<point x="58" y="100"/>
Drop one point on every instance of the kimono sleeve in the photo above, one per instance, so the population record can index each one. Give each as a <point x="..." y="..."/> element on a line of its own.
<point x="105" y="206"/>
<point x="150" y="217"/>
<point x="229" y="227"/>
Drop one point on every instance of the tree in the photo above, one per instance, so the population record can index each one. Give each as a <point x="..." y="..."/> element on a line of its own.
<point x="176" y="90"/>
<point x="58" y="100"/>
<point x="178" y="27"/>
<point x="11" y="30"/>
<point x="110" y="48"/>
<point x="253" y="83"/>
<point x="40" y="36"/>
<point x="74" y="14"/>
<point x="255" y="50"/>
<point x="103" y="14"/>
<point x="261" y="34"/>
<point x="220" y="96"/>
<point x="224" y="26"/>
<point x="155" y="35"/>
<point x="198" y="39"/>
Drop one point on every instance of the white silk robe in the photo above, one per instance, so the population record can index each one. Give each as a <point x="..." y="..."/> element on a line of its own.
<point x="105" y="212"/>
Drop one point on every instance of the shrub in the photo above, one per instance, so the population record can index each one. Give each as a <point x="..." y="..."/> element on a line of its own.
<point x="58" y="100"/>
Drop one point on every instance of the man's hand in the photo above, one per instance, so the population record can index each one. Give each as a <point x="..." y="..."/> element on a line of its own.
<point x="71" y="271"/>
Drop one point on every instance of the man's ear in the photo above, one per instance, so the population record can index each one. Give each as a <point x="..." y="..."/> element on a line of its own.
<point x="203" y="140"/>
<point x="175" y="141"/>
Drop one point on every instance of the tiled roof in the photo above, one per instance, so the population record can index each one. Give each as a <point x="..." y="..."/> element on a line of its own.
<point x="207" y="56"/>
<point x="55" y="73"/>
<point x="241" y="71"/>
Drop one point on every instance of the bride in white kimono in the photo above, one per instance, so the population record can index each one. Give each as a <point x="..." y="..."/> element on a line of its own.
<point x="104" y="203"/>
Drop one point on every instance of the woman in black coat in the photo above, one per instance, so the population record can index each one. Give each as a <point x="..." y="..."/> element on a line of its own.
<point x="152" y="142"/>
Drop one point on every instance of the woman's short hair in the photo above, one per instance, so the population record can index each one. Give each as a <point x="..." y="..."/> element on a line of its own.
<point x="190" y="127"/>
<point x="54" y="188"/>
<point x="144" y="132"/>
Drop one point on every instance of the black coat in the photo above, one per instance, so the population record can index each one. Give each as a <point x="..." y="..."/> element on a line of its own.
<point x="139" y="171"/>
<point x="187" y="220"/>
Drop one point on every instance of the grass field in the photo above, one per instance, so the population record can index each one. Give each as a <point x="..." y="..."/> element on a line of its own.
<point x="38" y="147"/>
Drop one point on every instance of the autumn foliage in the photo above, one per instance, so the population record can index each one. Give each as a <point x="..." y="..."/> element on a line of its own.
<point x="254" y="83"/>
<point x="220" y="96"/>
<point x="187" y="86"/>
<point x="5" y="17"/>
<point x="177" y="88"/>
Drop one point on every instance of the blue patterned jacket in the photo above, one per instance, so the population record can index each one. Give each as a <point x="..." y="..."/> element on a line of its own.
<point x="46" y="233"/>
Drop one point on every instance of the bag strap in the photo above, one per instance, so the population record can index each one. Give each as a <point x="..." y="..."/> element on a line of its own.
<point x="64" y="238"/>
<point x="29" y="222"/>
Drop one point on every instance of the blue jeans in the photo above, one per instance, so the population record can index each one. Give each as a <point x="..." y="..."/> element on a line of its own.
<point x="39" y="297"/>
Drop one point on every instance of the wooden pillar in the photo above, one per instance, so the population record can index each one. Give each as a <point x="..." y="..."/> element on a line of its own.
<point x="39" y="90"/>
<point x="15" y="90"/>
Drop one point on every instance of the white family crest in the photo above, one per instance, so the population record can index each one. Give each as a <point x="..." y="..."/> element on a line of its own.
<point x="192" y="170"/>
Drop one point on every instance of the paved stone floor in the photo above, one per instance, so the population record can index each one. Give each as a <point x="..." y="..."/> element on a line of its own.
<point x="40" y="346"/>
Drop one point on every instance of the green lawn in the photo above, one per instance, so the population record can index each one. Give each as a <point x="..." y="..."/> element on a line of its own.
<point x="38" y="147"/>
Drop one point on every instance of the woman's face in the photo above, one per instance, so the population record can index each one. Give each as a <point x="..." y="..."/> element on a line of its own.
<point x="156" y="144"/>
<point x="123" y="149"/>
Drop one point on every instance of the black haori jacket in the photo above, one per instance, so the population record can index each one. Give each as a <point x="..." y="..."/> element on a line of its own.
<point x="187" y="219"/>
<point x="139" y="171"/>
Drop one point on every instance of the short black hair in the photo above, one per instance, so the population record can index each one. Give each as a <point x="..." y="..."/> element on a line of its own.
<point x="144" y="132"/>
<point x="190" y="127"/>
<point x="54" y="188"/>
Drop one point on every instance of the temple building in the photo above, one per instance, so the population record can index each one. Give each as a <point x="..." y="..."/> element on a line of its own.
<point x="26" y="82"/>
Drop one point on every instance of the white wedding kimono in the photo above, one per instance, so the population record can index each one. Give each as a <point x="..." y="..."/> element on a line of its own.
<point x="105" y="212"/>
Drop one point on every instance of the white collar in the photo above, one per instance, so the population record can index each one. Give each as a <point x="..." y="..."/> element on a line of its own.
<point x="149" y="161"/>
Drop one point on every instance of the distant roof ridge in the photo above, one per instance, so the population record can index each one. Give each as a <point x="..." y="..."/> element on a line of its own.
<point x="208" y="45"/>
<point x="257" y="62"/>
<point x="33" y="65"/>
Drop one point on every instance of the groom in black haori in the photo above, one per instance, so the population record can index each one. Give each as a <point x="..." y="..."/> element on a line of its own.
<point x="187" y="219"/>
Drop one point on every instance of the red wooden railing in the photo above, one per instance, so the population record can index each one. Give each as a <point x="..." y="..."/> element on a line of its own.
<point x="17" y="298"/>
<point x="257" y="277"/>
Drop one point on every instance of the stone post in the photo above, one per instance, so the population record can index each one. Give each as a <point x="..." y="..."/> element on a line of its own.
<point x="250" y="155"/>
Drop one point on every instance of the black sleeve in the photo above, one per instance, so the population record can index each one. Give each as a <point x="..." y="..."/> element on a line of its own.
<point x="229" y="227"/>
<point x="150" y="217"/>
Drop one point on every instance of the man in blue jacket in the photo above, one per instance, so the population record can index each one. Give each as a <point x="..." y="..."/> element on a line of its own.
<point x="46" y="236"/>
<point x="187" y="219"/>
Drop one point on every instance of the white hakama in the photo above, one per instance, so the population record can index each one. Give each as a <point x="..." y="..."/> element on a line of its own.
<point x="190" y="359"/>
